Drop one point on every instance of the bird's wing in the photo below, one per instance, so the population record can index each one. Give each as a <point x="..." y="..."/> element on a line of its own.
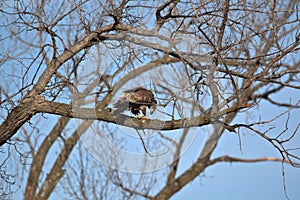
<point x="123" y="99"/>
<point x="141" y="96"/>
<point x="122" y="104"/>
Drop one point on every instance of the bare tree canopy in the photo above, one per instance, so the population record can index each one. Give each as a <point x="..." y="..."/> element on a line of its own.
<point x="225" y="76"/>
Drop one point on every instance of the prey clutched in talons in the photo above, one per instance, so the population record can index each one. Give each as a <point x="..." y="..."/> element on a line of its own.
<point x="139" y="116"/>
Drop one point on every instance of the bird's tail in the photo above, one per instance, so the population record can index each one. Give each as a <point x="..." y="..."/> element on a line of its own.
<point x="119" y="108"/>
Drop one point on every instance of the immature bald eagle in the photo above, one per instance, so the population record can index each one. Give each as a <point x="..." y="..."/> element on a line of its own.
<point x="136" y="100"/>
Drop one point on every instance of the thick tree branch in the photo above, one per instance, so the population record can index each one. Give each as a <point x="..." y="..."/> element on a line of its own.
<point x="40" y="105"/>
<point x="124" y="120"/>
<point x="106" y="115"/>
<point x="17" y="117"/>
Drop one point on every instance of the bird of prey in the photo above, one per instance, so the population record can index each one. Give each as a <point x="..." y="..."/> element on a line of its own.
<point x="136" y="100"/>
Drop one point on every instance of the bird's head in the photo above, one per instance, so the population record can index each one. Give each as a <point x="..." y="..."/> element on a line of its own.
<point x="153" y="107"/>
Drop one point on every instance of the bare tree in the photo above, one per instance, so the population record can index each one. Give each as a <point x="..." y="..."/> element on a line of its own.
<point x="211" y="65"/>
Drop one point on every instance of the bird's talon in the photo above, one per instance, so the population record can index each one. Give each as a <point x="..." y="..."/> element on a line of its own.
<point x="142" y="117"/>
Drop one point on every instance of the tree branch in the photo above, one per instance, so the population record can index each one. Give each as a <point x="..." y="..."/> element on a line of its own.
<point x="263" y="159"/>
<point x="124" y="120"/>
